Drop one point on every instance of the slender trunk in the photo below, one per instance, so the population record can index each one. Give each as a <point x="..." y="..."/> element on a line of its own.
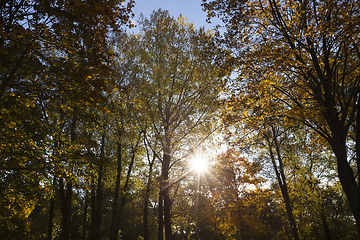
<point x="113" y="233"/>
<point x="166" y="169"/>
<point x="117" y="220"/>
<point x="93" y="209"/>
<point x="165" y="191"/>
<point x="85" y="218"/>
<point x="146" y="203"/>
<point x="126" y="188"/>
<point x="65" y="200"/>
<point x="167" y="215"/>
<point x="96" y="226"/>
<point x="357" y="141"/>
<point x="120" y="213"/>
<point x="96" y="208"/>
<point x="289" y="211"/>
<point x="99" y="194"/>
<point x="66" y="192"/>
<point x="145" y="215"/>
<point x="281" y="178"/>
<point x="51" y="217"/>
<point x="161" y="216"/>
<point x="326" y="227"/>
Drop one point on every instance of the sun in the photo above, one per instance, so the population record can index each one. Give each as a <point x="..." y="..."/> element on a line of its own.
<point x="199" y="164"/>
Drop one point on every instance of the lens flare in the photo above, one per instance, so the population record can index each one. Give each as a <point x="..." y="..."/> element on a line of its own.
<point x="199" y="164"/>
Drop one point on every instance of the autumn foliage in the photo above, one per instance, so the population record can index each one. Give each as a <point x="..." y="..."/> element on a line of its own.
<point x="100" y="126"/>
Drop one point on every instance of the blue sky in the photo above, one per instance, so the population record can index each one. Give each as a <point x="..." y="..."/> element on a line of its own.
<point x="190" y="9"/>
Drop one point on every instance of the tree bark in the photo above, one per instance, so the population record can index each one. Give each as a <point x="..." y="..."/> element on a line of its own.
<point x="97" y="208"/>
<point x="167" y="208"/>
<point x="357" y="142"/>
<point x="65" y="200"/>
<point x="113" y="233"/>
<point x="165" y="170"/>
<point x="326" y="227"/>
<point x="347" y="179"/>
<point x="281" y="178"/>
<point x="85" y="217"/>
<point x="118" y="213"/>
<point x="97" y="216"/>
<point x="146" y="203"/>
<point x="165" y="192"/>
<point x="145" y="215"/>
<point x="93" y="208"/>
<point x="161" y="215"/>
<point x="126" y="188"/>
<point x="51" y="217"/>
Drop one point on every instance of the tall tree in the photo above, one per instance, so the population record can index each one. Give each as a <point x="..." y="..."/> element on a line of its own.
<point x="177" y="84"/>
<point x="306" y="53"/>
<point x="53" y="59"/>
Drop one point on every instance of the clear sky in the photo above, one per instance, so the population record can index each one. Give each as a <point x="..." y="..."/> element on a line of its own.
<point x="190" y="9"/>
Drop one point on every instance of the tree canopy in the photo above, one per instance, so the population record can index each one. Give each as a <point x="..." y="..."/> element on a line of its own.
<point x="304" y="57"/>
<point x="102" y="129"/>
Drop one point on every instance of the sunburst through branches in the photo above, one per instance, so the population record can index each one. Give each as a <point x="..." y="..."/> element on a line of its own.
<point x="199" y="164"/>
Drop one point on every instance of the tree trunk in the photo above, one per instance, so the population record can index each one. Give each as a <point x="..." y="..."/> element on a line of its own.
<point x="161" y="215"/>
<point x="117" y="220"/>
<point x="113" y="233"/>
<point x="96" y="208"/>
<point x="66" y="195"/>
<point x="126" y="188"/>
<point x="99" y="194"/>
<point x="65" y="201"/>
<point x="347" y="179"/>
<point x="281" y="178"/>
<point x="357" y="142"/>
<point x="85" y="217"/>
<point x="167" y="215"/>
<point x="165" y="191"/>
<point x="145" y="215"/>
<point x="146" y="203"/>
<point x="96" y="221"/>
<point x="93" y="209"/>
<point x="51" y="217"/>
<point x="326" y="227"/>
<point x="166" y="169"/>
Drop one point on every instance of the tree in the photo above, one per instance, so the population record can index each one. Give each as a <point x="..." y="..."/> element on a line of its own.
<point x="238" y="205"/>
<point x="305" y="54"/>
<point x="54" y="63"/>
<point x="177" y="85"/>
